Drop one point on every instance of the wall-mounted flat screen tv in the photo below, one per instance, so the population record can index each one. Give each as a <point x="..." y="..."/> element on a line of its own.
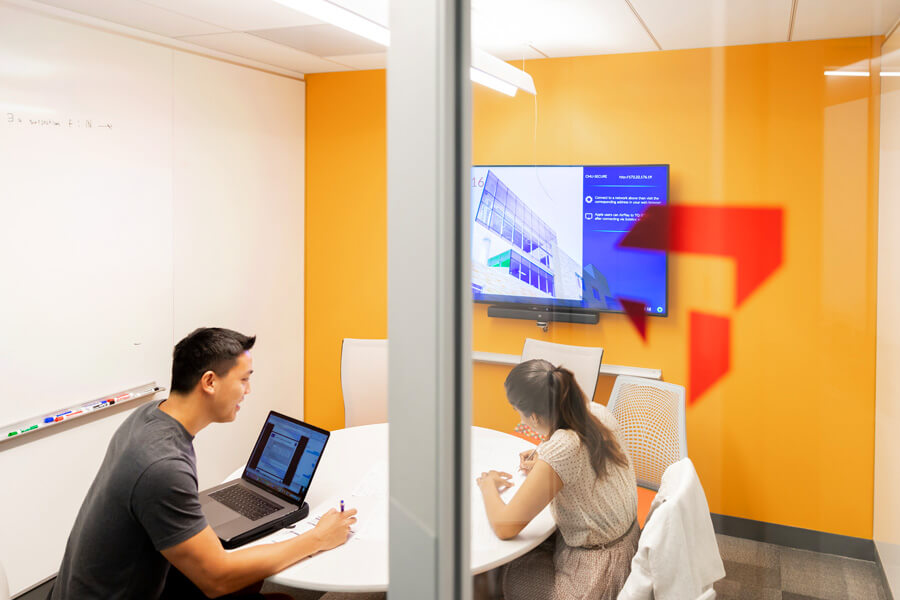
<point x="548" y="235"/>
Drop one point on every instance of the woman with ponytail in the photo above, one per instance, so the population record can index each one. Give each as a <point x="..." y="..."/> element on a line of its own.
<point x="582" y="471"/>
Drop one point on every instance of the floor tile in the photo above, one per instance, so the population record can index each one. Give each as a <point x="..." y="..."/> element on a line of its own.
<point x="728" y="589"/>
<point x="812" y="574"/>
<point x="863" y="580"/>
<point x="744" y="574"/>
<point x="747" y="551"/>
<point x="790" y="596"/>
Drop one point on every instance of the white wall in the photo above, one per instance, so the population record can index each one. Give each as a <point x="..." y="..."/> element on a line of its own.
<point x="234" y="206"/>
<point x="886" y="527"/>
<point x="239" y="162"/>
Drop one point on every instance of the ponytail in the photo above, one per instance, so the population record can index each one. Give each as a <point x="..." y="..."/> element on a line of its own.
<point x="572" y="413"/>
<point x="536" y="387"/>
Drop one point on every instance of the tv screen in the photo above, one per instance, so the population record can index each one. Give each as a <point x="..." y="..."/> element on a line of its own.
<point x="547" y="235"/>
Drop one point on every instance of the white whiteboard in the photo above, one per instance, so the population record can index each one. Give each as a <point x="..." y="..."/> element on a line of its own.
<point x="117" y="241"/>
<point x="86" y="233"/>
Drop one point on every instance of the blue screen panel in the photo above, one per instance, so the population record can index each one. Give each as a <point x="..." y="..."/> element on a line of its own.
<point x="285" y="457"/>
<point x="548" y="235"/>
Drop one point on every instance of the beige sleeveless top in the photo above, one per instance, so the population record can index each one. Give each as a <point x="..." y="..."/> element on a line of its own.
<point x="589" y="511"/>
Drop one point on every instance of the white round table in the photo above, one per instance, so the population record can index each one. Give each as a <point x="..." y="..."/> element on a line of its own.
<point x="354" y="469"/>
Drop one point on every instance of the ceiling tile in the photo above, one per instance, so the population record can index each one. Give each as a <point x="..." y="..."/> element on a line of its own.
<point x="708" y="23"/>
<point x="374" y="10"/>
<point x="362" y="62"/>
<point x="321" y="40"/>
<point x="264" y="51"/>
<point x="482" y="37"/>
<point x="238" y="15"/>
<point x="133" y="13"/>
<point x="820" y="19"/>
<point x="559" y="28"/>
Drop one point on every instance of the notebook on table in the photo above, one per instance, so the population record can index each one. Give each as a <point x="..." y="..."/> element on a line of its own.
<point x="272" y="489"/>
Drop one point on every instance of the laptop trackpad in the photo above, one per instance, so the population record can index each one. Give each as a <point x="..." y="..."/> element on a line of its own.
<point x="218" y="514"/>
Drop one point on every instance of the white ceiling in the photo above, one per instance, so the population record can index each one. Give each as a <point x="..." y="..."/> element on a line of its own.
<point x="270" y="33"/>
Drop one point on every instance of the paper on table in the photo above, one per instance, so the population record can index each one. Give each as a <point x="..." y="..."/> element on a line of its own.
<point x="284" y="535"/>
<point x="371" y="516"/>
<point x="517" y="478"/>
<point x="314" y="520"/>
<point x="481" y="527"/>
<point x="374" y="482"/>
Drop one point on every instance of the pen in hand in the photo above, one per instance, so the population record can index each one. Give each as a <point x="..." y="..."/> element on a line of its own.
<point x="526" y="460"/>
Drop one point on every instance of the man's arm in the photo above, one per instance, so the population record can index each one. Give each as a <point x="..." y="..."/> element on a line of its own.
<point x="204" y="561"/>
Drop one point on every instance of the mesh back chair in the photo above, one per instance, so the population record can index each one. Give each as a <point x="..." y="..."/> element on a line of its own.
<point x="651" y="416"/>
<point x="583" y="361"/>
<point x="364" y="375"/>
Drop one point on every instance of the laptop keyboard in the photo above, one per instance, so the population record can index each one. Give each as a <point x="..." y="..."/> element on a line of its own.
<point x="243" y="501"/>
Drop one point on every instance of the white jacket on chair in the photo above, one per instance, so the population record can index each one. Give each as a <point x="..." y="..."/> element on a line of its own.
<point x="677" y="557"/>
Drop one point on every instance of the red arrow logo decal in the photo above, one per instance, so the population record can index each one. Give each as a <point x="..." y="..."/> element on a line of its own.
<point x="751" y="236"/>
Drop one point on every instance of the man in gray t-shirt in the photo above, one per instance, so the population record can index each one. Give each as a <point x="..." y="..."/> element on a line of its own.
<point x="142" y="512"/>
<point x="143" y="500"/>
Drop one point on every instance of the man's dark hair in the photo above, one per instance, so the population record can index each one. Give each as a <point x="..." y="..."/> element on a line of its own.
<point x="206" y="349"/>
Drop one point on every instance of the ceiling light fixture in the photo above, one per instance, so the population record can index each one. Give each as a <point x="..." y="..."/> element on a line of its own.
<point x="488" y="70"/>
<point x="343" y="18"/>
<point x="495" y="69"/>
<point x="492" y="82"/>
<point x="847" y="73"/>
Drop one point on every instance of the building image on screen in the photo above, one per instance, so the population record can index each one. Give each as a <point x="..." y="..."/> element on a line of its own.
<point x="549" y="235"/>
<point x="286" y="456"/>
<point x="522" y="246"/>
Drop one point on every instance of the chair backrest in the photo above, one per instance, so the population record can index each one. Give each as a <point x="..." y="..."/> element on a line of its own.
<point x="364" y="381"/>
<point x="677" y="555"/>
<point x="651" y="417"/>
<point x="583" y="361"/>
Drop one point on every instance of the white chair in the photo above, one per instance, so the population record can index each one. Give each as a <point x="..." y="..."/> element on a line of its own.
<point x="677" y="555"/>
<point x="364" y="375"/>
<point x="583" y="361"/>
<point x="4" y="585"/>
<point x="651" y="417"/>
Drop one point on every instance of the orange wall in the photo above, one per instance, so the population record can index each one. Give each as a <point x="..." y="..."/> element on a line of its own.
<point x="787" y="436"/>
<point x="346" y="229"/>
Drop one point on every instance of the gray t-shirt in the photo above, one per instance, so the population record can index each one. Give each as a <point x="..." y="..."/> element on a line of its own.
<point x="143" y="500"/>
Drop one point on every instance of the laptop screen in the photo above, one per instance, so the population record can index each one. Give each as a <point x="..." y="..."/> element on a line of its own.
<point x="286" y="456"/>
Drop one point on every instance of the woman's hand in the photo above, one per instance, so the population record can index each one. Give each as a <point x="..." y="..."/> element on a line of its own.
<point x="527" y="459"/>
<point x="333" y="528"/>
<point x="497" y="480"/>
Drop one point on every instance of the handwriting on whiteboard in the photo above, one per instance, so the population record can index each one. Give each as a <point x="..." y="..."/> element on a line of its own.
<point x="22" y="120"/>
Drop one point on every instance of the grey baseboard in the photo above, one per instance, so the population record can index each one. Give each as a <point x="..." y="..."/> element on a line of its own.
<point x="795" y="537"/>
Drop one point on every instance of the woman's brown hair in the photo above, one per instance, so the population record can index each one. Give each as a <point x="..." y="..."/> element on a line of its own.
<point x="536" y="387"/>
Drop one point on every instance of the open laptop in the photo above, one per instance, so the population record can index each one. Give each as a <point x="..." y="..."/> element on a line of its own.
<point x="271" y="491"/>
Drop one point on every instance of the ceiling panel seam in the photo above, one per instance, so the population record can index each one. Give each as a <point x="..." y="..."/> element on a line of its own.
<point x="644" y="25"/>
<point x="891" y="29"/>
<point x="545" y="55"/>
<point x="175" y="12"/>
<point x="790" y="35"/>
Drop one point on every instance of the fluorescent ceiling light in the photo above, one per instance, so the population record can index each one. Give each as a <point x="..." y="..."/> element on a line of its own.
<point x="343" y="18"/>
<point x="486" y="69"/>
<point x="492" y="82"/>
<point x="493" y="66"/>
<point x="862" y="73"/>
